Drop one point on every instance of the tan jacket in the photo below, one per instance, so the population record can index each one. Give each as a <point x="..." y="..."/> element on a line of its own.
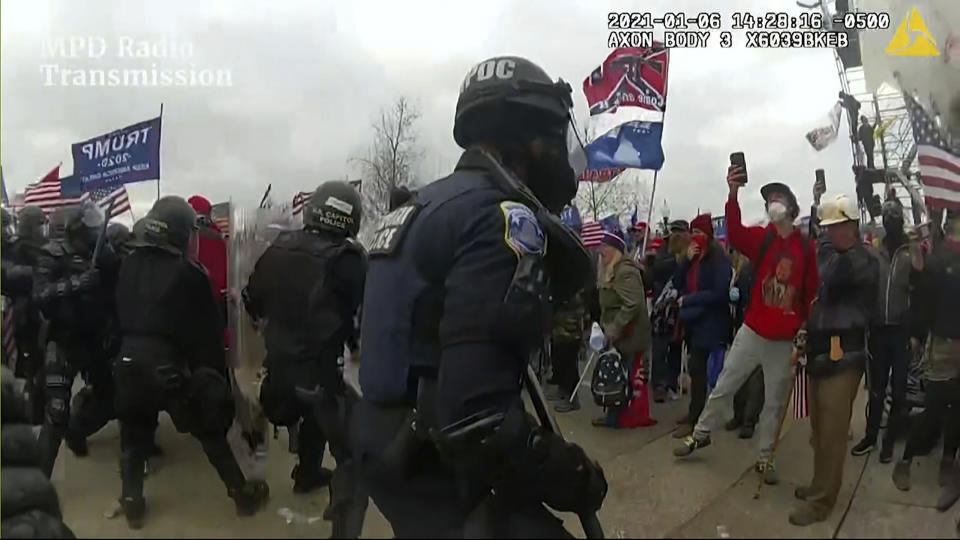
<point x="623" y="308"/>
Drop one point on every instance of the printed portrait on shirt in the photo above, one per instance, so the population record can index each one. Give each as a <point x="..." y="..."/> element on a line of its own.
<point x="778" y="292"/>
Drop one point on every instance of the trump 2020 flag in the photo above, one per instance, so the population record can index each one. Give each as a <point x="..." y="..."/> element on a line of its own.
<point x="131" y="154"/>
<point x="821" y="137"/>
<point x="634" y="145"/>
<point x="629" y="77"/>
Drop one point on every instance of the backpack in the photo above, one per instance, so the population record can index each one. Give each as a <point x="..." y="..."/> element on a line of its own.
<point x="663" y="317"/>
<point x="610" y="385"/>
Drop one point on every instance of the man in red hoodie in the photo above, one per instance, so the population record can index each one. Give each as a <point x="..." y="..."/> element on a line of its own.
<point x="211" y="249"/>
<point x="785" y="284"/>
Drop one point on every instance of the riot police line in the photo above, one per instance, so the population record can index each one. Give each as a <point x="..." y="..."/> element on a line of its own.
<point x="454" y="300"/>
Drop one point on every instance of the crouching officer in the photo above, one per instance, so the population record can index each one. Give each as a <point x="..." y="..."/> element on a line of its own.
<point x="303" y="294"/>
<point x="172" y="357"/>
<point x="76" y="294"/>
<point x="457" y="298"/>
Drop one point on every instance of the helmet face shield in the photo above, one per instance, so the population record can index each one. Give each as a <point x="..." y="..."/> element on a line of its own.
<point x="576" y="156"/>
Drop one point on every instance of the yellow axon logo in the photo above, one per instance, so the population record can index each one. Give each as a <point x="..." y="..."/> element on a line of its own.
<point x="912" y="38"/>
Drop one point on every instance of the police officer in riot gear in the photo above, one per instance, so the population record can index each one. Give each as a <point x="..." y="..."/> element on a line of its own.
<point x="172" y="357"/>
<point x="119" y="237"/>
<point x="25" y="250"/>
<point x="457" y="299"/>
<point x="76" y="295"/>
<point x="303" y="294"/>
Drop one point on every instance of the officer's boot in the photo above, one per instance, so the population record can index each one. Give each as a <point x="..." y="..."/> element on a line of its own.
<point x="308" y="475"/>
<point x="50" y="438"/>
<point x="131" y="500"/>
<point x="348" y="502"/>
<point x="77" y="444"/>
<point x="248" y="496"/>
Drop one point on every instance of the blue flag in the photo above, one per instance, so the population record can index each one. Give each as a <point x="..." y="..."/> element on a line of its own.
<point x="611" y="224"/>
<point x="633" y="144"/>
<point x="570" y="217"/>
<point x="131" y="154"/>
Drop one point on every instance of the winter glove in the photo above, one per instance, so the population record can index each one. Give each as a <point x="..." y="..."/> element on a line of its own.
<point x="87" y="281"/>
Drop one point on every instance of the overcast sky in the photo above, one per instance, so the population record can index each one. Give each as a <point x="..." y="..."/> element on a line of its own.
<point x="308" y="77"/>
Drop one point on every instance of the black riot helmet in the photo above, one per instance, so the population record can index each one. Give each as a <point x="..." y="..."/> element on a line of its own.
<point x="335" y="207"/>
<point x="81" y="226"/>
<point x="30" y="224"/>
<point x="509" y="102"/>
<point x="168" y="225"/>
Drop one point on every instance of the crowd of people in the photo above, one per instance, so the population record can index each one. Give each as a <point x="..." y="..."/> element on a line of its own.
<point x="454" y="294"/>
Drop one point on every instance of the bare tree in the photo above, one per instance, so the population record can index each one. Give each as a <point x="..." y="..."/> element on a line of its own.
<point x="621" y="195"/>
<point x="391" y="159"/>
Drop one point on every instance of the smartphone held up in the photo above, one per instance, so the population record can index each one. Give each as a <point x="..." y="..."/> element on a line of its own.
<point x="737" y="160"/>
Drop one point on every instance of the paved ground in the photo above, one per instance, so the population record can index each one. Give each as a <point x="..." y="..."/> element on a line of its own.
<point x="651" y="493"/>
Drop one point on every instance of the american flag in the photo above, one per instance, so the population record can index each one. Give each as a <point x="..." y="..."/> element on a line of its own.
<point x="591" y="234"/>
<point x="46" y="193"/>
<point x="299" y="200"/>
<point x="113" y="203"/>
<point x="939" y="164"/>
<point x="801" y="405"/>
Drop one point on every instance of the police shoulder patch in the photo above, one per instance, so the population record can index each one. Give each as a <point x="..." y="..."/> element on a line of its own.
<point x="391" y="230"/>
<point x="522" y="232"/>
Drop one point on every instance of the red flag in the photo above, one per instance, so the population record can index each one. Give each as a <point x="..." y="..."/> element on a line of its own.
<point x="629" y="77"/>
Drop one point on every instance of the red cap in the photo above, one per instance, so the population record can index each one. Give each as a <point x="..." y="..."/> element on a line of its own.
<point x="200" y="205"/>
<point x="655" y="244"/>
<point x="703" y="223"/>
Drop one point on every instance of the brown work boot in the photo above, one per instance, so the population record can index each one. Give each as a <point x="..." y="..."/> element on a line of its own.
<point x="805" y="493"/>
<point x="808" y="515"/>
<point x="901" y="475"/>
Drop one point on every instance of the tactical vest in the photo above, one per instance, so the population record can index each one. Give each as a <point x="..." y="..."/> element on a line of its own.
<point x="401" y="335"/>
<point x="300" y="277"/>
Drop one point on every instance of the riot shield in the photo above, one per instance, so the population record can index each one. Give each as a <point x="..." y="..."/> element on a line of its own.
<point x="251" y="231"/>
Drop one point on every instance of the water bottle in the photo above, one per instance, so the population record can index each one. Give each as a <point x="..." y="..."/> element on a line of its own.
<point x="596" y="337"/>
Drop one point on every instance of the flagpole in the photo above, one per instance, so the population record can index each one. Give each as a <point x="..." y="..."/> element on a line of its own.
<point x="158" y="161"/>
<point x="653" y="192"/>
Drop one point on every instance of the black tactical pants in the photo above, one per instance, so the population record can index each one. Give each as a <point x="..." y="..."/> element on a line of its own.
<point x="317" y="399"/>
<point x="889" y="362"/>
<point x="565" y="356"/>
<point x="145" y="388"/>
<point x="60" y="369"/>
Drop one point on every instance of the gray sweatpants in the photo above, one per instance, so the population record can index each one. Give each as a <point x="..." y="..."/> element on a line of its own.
<point x="748" y="351"/>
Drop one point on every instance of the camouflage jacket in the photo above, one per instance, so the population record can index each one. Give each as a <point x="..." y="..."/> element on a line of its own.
<point x="570" y="319"/>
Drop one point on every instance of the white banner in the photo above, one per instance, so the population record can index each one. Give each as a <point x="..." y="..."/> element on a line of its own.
<point x="821" y="137"/>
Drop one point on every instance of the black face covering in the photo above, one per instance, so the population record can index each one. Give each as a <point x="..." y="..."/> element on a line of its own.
<point x="550" y="177"/>
<point x="893" y="224"/>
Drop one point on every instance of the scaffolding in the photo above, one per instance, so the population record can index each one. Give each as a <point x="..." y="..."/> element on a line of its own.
<point x="894" y="149"/>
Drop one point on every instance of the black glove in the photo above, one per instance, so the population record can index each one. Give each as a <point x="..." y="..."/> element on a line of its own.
<point x="89" y="280"/>
<point x="571" y="482"/>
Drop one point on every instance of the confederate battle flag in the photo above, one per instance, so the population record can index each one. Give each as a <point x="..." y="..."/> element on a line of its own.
<point x="629" y="77"/>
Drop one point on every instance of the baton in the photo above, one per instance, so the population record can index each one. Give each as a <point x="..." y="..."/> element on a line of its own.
<point x="103" y="235"/>
<point x="589" y="521"/>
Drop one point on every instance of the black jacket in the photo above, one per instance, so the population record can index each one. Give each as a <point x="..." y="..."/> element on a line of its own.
<point x="664" y="267"/>
<point x="705" y="312"/>
<point x="843" y="308"/>
<point x="166" y="309"/>
<point x="306" y="289"/>
<point x="939" y="292"/>
<point x="894" y="285"/>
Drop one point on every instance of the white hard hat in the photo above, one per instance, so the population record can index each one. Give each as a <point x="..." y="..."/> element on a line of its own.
<point x="838" y="210"/>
